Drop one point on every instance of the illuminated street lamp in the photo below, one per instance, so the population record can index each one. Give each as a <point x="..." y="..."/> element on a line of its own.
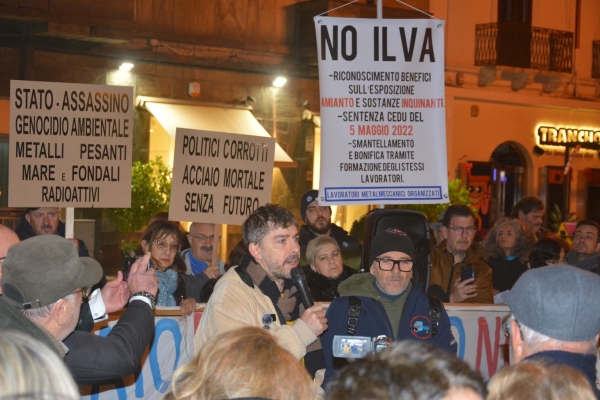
<point x="277" y="84"/>
<point x="126" y="67"/>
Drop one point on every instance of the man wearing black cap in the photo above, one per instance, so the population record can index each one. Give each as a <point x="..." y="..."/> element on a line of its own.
<point x="43" y="283"/>
<point x="388" y="303"/>
<point x="45" y="221"/>
<point x="556" y="318"/>
<point x="318" y="222"/>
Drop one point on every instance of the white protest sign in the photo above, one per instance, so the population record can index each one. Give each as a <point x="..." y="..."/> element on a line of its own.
<point x="220" y="178"/>
<point x="70" y="145"/>
<point x="383" y="117"/>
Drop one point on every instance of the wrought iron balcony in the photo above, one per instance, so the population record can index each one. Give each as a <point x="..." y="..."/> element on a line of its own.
<point x="523" y="46"/>
<point x="596" y="59"/>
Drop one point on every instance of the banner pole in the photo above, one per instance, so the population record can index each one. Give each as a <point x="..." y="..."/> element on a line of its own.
<point x="379" y="9"/>
<point x="69" y="221"/>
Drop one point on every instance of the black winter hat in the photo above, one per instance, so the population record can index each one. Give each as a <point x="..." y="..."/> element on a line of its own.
<point x="392" y="239"/>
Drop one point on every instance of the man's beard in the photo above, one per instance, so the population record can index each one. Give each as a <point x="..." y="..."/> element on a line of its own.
<point x="278" y="270"/>
<point x="48" y="228"/>
<point x="384" y="288"/>
<point x="317" y="230"/>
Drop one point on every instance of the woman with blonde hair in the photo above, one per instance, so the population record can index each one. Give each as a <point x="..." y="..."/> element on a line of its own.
<point x="30" y="370"/>
<point x="325" y="270"/>
<point x="508" y="245"/>
<point x="536" y="381"/>
<point x="245" y="362"/>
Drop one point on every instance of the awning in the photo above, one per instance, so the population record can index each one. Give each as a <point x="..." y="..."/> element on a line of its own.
<point x="173" y="114"/>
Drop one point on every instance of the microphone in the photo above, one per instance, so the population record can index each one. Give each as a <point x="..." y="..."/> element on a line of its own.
<point x="300" y="282"/>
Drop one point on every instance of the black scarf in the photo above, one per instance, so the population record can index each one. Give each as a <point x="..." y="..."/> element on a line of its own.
<point x="288" y="307"/>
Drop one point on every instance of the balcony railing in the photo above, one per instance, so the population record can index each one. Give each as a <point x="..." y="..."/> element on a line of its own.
<point x="596" y="59"/>
<point x="523" y="46"/>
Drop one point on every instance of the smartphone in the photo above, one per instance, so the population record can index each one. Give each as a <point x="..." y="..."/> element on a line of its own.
<point x="467" y="273"/>
<point x="126" y="266"/>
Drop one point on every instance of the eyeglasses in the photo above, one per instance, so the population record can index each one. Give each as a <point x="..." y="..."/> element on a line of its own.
<point x="458" y="230"/>
<point x="204" y="238"/>
<point x="2" y="259"/>
<point x="162" y="245"/>
<point x="506" y="326"/>
<point x="387" y="264"/>
<point x="559" y="261"/>
<point x="85" y="292"/>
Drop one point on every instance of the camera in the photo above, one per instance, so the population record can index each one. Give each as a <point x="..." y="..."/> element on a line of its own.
<point x="358" y="346"/>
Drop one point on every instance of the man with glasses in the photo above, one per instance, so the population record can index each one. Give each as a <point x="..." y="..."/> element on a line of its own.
<point x="458" y="251"/>
<point x="555" y="318"/>
<point x="385" y="302"/>
<point x="585" y="253"/>
<point x="45" y="221"/>
<point x="43" y="284"/>
<point x="198" y="258"/>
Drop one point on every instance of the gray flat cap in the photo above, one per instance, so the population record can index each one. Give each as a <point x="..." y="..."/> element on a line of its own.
<point x="560" y="302"/>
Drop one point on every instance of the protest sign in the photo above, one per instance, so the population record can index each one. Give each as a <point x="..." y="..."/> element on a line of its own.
<point x="383" y="123"/>
<point x="476" y="328"/>
<point x="70" y="145"/>
<point x="220" y="178"/>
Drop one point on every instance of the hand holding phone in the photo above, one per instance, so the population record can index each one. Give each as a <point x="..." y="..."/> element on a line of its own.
<point x="467" y="273"/>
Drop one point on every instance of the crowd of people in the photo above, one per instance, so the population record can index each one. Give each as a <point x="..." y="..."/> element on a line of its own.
<point x="259" y="337"/>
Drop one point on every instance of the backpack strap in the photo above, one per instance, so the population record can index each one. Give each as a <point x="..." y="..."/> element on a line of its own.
<point x="354" y="306"/>
<point x="435" y="313"/>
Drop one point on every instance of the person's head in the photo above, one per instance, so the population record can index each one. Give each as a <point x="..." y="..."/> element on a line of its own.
<point x="530" y="210"/>
<point x="316" y="217"/>
<point x="44" y="276"/>
<point x="43" y="220"/>
<point x="7" y="238"/>
<point x="271" y="237"/>
<point x="547" y="251"/>
<point x="392" y="257"/>
<point x="408" y="369"/>
<point x="324" y="256"/>
<point x="509" y="237"/>
<point x="436" y="227"/>
<point x="30" y="370"/>
<point x="458" y="228"/>
<point x="162" y="240"/>
<point x="554" y="308"/>
<point x="586" y="238"/>
<point x="236" y="255"/>
<point x="245" y="362"/>
<point x="202" y="239"/>
<point x="535" y="381"/>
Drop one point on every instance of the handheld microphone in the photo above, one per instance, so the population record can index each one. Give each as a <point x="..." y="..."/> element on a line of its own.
<point x="300" y="282"/>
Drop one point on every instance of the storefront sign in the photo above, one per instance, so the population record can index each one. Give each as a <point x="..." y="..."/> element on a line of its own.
<point x="70" y="145"/>
<point x="559" y="136"/>
<point x="219" y="177"/>
<point x="383" y="117"/>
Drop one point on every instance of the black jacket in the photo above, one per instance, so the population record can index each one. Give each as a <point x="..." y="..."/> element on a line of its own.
<point x="584" y="363"/>
<point x="344" y="240"/>
<point x="92" y="358"/>
<point x="323" y="288"/>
